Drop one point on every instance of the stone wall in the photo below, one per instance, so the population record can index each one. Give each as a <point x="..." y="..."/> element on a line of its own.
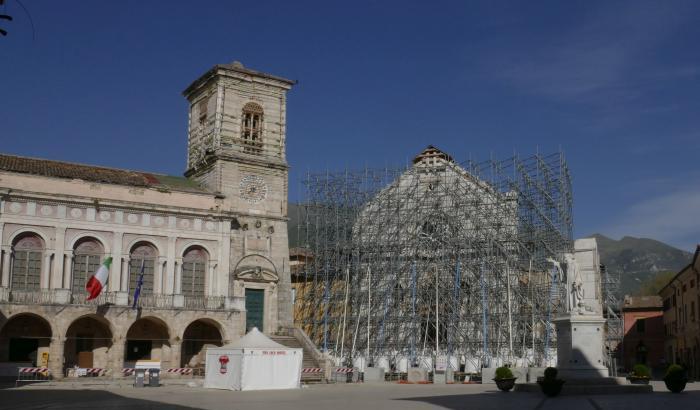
<point x="165" y="327"/>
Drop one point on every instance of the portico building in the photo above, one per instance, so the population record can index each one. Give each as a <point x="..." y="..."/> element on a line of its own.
<point x="212" y="246"/>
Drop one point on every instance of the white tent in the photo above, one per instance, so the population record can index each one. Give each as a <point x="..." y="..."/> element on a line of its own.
<point x="253" y="362"/>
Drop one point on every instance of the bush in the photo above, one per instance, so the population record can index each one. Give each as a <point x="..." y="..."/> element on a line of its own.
<point x="640" y="370"/>
<point x="550" y="373"/>
<point x="675" y="371"/>
<point x="675" y="378"/>
<point x="503" y="373"/>
<point x="550" y="385"/>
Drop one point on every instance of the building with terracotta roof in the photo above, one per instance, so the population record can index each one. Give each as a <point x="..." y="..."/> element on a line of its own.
<point x="643" y="340"/>
<point x="212" y="245"/>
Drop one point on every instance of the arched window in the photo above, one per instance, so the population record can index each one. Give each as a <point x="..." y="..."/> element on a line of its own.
<point x="251" y="128"/>
<point x="194" y="267"/>
<point x="142" y="254"/>
<point x="86" y="260"/>
<point x="26" y="265"/>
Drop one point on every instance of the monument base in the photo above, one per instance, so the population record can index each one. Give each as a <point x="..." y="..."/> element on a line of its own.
<point x="374" y="374"/>
<point x="580" y="347"/>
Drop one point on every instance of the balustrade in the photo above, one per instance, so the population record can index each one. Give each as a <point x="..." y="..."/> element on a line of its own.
<point x="156" y="301"/>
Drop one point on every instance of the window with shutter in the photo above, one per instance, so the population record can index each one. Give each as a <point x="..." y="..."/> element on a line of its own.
<point x="26" y="266"/>
<point x="86" y="260"/>
<point x="145" y="254"/>
<point x="194" y="265"/>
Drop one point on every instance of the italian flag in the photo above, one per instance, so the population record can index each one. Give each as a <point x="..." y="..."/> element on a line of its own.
<point x="98" y="280"/>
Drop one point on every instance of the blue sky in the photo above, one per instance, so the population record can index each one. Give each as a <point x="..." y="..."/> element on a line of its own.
<point x="613" y="84"/>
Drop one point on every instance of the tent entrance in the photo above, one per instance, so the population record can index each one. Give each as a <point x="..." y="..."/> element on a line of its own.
<point x="255" y="308"/>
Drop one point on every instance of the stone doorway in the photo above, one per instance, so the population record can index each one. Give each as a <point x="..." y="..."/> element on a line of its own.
<point x="255" y="309"/>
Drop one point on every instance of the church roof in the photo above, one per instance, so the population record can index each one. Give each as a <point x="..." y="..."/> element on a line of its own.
<point x="432" y="152"/>
<point x="68" y="170"/>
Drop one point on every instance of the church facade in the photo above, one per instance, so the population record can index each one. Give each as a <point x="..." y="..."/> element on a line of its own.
<point x="210" y="248"/>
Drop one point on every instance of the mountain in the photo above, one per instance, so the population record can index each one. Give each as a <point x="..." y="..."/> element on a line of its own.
<point x="639" y="259"/>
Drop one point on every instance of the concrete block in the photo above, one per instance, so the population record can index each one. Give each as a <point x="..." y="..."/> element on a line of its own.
<point x="439" y="377"/>
<point x="520" y="373"/>
<point x="487" y="375"/>
<point x="374" y="374"/>
<point x="534" y="372"/>
<point x="416" y="375"/>
<point x="449" y="375"/>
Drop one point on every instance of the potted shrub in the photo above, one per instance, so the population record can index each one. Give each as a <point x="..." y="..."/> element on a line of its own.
<point x="550" y="385"/>
<point x="504" y="379"/>
<point x="640" y="374"/>
<point x="675" y="378"/>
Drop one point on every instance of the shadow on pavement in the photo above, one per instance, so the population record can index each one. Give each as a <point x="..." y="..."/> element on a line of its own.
<point x="660" y="399"/>
<point x="76" y="399"/>
<point x="483" y="401"/>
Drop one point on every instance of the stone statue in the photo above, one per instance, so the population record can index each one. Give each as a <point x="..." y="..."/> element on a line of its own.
<point x="574" y="285"/>
<point x="560" y="274"/>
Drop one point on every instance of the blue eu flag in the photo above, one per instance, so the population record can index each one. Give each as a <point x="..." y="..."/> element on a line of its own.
<point x="137" y="292"/>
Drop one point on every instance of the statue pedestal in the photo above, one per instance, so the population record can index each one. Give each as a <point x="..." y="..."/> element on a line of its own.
<point x="580" y="346"/>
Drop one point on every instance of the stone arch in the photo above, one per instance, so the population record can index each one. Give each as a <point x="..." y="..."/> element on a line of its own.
<point x="88" y="341"/>
<point x="94" y="235"/>
<point x="196" y="337"/>
<point x="24" y="338"/>
<point x="27" y="229"/>
<point x="189" y="244"/>
<point x="147" y="338"/>
<point x="155" y="242"/>
<point x="256" y="263"/>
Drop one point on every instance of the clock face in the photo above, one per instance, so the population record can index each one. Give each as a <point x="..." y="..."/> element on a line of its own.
<point x="253" y="188"/>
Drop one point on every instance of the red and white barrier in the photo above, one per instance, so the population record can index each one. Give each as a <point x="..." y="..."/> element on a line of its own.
<point x="32" y="374"/>
<point x="33" y="369"/>
<point x="344" y="370"/>
<point x="180" y="370"/>
<point x="311" y="370"/>
<point x="128" y="371"/>
<point x="95" y="371"/>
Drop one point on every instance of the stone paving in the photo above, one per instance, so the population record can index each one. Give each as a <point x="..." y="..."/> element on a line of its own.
<point x="335" y="397"/>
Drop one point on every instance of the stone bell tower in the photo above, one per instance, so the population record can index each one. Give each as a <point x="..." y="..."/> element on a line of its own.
<point x="237" y="148"/>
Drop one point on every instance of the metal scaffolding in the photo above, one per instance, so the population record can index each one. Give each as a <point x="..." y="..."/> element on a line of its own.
<point x="614" y="325"/>
<point x="435" y="259"/>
